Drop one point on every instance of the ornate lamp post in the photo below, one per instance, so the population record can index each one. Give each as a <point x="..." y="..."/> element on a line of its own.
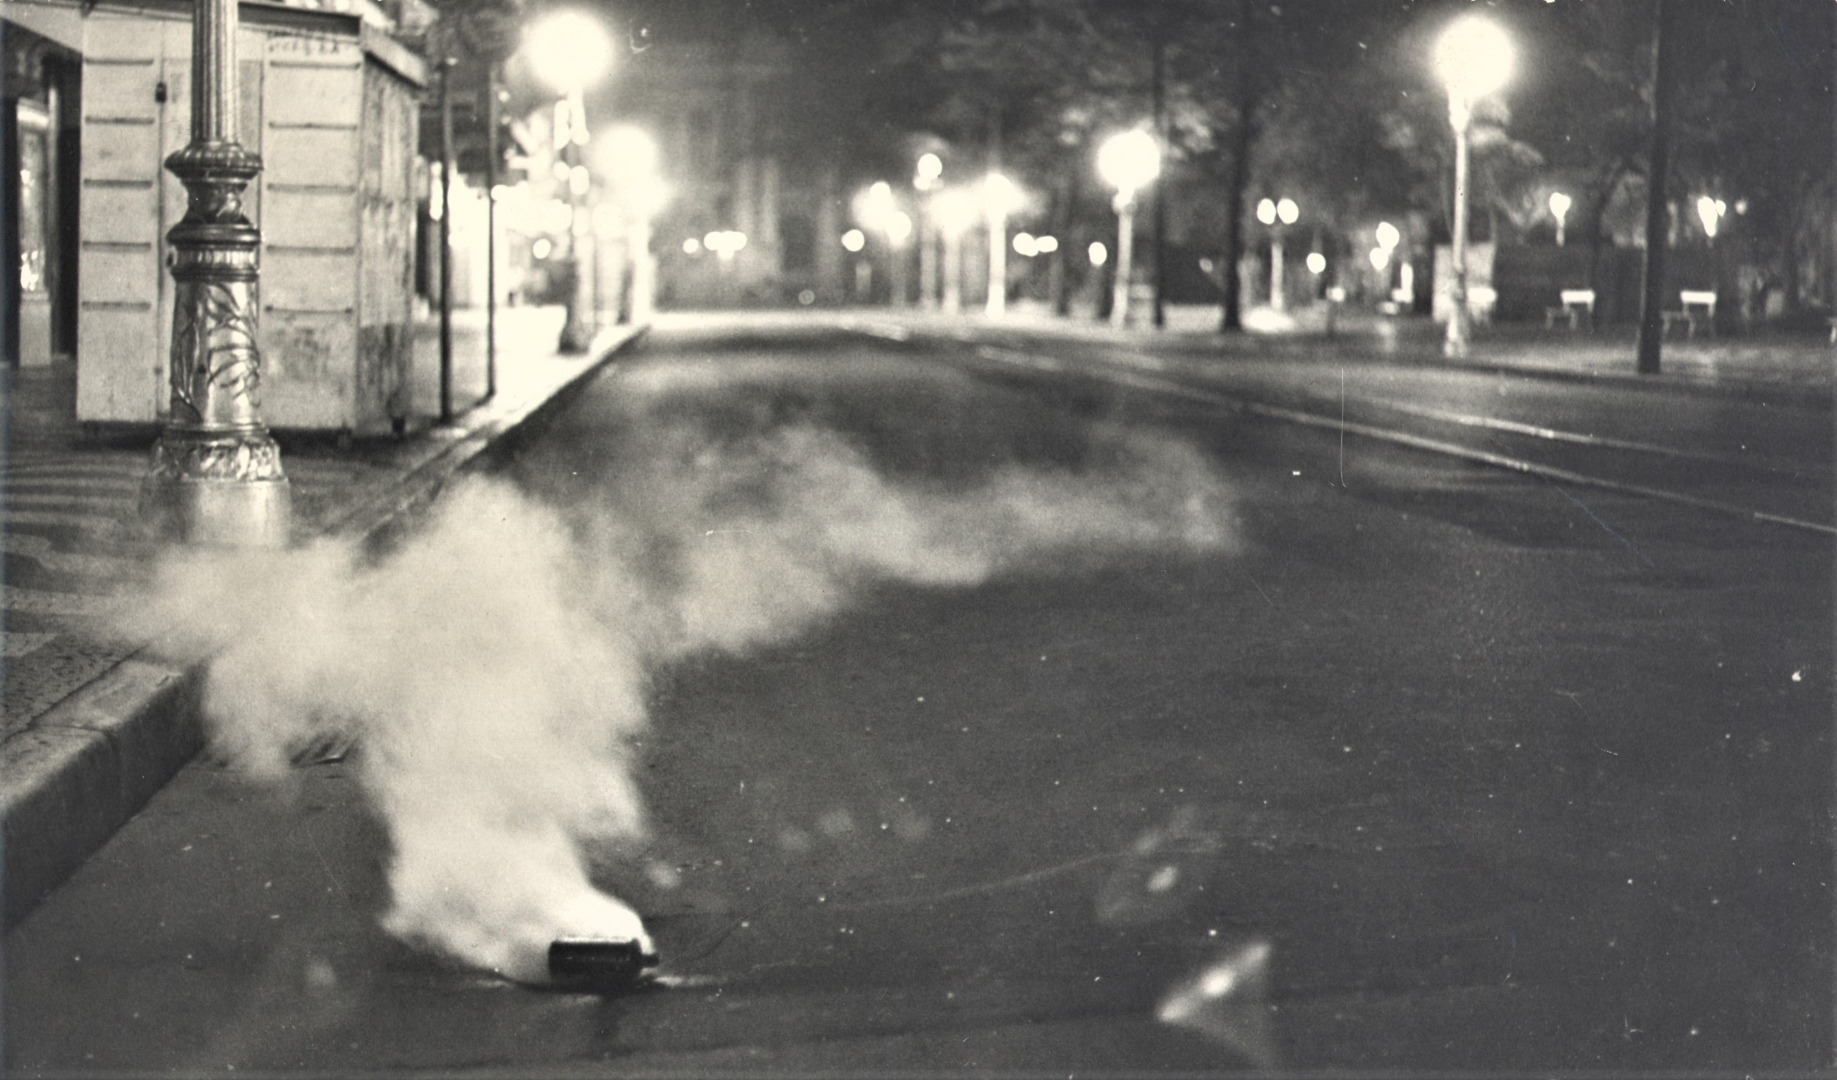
<point x="216" y="475"/>
<point x="1473" y="58"/>
<point x="1127" y="161"/>
<point x="570" y="50"/>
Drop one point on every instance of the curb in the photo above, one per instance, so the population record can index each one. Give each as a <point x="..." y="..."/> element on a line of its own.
<point x="90" y="763"/>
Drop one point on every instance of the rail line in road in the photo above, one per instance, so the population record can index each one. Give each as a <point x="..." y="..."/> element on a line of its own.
<point x="1174" y="387"/>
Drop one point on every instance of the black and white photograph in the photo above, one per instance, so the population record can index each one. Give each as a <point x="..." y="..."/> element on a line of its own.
<point x="918" y="538"/>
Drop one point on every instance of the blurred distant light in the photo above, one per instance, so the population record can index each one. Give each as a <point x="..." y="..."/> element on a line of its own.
<point x="557" y="216"/>
<point x="1046" y="244"/>
<point x="854" y="240"/>
<point x="1288" y="211"/>
<point x="691" y="246"/>
<point x="579" y="180"/>
<point x="724" y="242"/>
<point x="1380" y="258"/>
<point x="1473" y="58"/>
<point x="1559" y="209"/>
<point x="1026" y="245"/>
<point x="875" y="205"/>
<point x="1098" y="253"/>
<point x="899" y="227"/>
<point x="1388" y="236"/>
<point x="1741" y="206"/>
<point x="1000" y="195"/>
<point x="956" y="209"/>
<point x="569" y="49"/>
<point x="1266" y="211"/>
<point x="930" y="168"/>
<point x="540" y="249"/>
<point x="1128" y="161"/>
<point x="561" y="170"/>
<point x="1317" y="263"/>
<point x="1710" y="210"/>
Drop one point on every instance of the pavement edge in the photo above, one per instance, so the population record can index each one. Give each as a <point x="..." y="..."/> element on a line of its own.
<point x="80" y="771"/>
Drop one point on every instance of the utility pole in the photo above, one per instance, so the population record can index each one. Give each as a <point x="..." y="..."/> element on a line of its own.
<point x="216" y="474"/>
<point x="1158" y="95"/>
<point x="1658" y="206"/>
<point x="446" y="239"/>
<point x="491" y="229"/>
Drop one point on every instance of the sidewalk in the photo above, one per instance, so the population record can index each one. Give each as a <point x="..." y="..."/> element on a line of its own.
<point x="93" y="728"/>
<point x="1772" y="365"/>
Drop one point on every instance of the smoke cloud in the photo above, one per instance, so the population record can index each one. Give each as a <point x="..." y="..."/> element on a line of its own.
<point x="492" y="669"/>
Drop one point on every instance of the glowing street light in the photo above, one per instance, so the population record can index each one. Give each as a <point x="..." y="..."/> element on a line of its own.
<point x="1710" y="212"/>
<point x="1559" y="209"/>
<point x="1473" y="58"/>
<point x="1128" y="161"/>
<point x="571" y="49"/>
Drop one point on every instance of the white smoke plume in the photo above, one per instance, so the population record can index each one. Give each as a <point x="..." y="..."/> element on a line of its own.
<point x="492" y="668"/>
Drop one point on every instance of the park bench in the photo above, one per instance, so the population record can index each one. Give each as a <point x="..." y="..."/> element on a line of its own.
<point x="1577" y="305"/>
<point x="1691" y="300"/>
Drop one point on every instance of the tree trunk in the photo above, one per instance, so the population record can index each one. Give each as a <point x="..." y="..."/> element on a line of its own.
<point x="1658" y="205"/>
<point x="1232" y="317"/>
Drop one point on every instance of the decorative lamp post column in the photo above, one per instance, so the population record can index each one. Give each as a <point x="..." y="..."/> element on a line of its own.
<point x="1127" y="161"/>
<point x="1473" y="58"/>
<point x="956" y="210"/>
<point x="216" y="474"/>
<point x="926" y="179"/>
<point x="1000" y="197"/>
<point x="570" y="50"/>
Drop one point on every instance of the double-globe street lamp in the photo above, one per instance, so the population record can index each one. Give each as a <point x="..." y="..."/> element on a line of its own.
<point x="1473" y="58"/>
<point x="1128" y="161"/>
<point x="1278" y="214"/>
<point x="569" y="50"/>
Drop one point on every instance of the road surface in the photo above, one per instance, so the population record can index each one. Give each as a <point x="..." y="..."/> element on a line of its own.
<point x="1025" y="717"/>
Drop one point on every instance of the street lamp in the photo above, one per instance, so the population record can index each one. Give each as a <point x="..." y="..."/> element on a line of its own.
<point x="216" y="475"/>
<point x="1710" y="211"/>
<point x="627" y="157"/>
<point x="1559" y="209"/>
<point x="956" y="212"/>
<point x="1278" y="214"/>
<point x="570" y="49"/>
<point x="1128" y="161"/>
<point x="879" y="210"/>
<point x="1473" y="57"/>
<point x="999" y="199"/>
<point x="925" y="179"/>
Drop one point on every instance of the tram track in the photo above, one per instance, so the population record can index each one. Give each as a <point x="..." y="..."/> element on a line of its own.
<point x="1509" y="443"/>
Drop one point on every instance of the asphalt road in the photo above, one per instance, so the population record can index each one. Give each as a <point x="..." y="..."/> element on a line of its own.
<point x="1005" y="719"/>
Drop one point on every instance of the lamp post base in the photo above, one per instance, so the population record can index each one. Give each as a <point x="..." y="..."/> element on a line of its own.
<point x="218" y="513"/>
<point x="218" y="491"/>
